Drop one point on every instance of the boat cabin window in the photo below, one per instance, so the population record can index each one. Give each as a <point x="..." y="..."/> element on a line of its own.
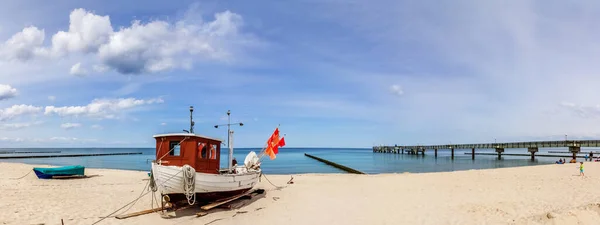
<point x="175" y="148"/>
<point x="213" y="151"/>
<point x="202" y="150"/>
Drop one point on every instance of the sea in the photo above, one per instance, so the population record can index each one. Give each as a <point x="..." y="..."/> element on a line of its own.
<point x="293" y="160"/>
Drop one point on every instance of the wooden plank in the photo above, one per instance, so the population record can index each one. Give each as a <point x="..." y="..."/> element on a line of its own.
<point x="223" y="201"/>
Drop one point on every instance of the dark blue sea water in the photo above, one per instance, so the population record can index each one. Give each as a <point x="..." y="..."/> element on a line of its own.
<point x="293" y="161"/>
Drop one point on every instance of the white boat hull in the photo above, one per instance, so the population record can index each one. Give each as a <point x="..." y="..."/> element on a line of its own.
<point x="169" y="180"/>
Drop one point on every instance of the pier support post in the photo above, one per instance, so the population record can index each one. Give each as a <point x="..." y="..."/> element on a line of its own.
<point x="574" y="150"/>
<point x="403" y="151"/>
<point x="532" y="150"/>
<point x="499" y="151"/>
<point x="473" y="154"/>
<point x="435" y="152"/>
<point x="423" y="151"/>
<point x="452" y="153"/>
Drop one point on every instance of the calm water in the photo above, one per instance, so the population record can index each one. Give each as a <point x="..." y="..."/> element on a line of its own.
<point x="293" y="161"/>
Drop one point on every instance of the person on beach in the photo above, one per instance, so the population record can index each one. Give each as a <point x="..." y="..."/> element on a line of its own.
<point x="581" y="169"/>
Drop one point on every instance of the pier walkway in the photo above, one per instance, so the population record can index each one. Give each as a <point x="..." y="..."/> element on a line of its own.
<point x="531" y="146"/>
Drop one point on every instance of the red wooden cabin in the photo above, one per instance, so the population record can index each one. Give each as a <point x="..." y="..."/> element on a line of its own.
<point x="201" y="152"/>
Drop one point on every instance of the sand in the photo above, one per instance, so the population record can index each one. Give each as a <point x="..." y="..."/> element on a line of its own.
<point x="548" y="194"/>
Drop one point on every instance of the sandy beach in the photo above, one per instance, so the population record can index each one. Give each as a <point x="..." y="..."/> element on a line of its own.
<point x="548" y="194"/>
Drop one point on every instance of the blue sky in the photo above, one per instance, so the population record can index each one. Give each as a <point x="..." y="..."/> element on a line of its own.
<point x="331" y="73"/>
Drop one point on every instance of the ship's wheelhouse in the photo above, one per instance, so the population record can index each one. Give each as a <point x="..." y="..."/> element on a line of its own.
<point x="201" y="152"/>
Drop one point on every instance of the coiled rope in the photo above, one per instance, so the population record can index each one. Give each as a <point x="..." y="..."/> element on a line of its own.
<point x="189" y="183"/>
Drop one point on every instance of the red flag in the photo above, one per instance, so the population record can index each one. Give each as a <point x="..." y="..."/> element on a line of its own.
<point x="281" y="143"/>
<point x="274" y="143"/>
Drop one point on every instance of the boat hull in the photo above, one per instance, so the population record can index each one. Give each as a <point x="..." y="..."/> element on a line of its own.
<point x="169" y="180"/>
<point x="48" y="173"/>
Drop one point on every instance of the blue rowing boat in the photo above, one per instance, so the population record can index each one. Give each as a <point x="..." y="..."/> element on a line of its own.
<point x="48" y="173"/>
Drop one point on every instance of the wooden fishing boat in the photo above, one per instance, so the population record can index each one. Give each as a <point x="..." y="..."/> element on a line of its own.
<point x="49" y="173"/>
<point x="187" y="166"/>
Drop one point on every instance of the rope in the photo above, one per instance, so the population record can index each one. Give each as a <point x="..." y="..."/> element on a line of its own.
<point x="134" y="200"/>
<point x="22" y="176"/>
<point x="277" y="187"/>
<point x="152" y="185"/>
<point x="132" y="204"/>
<point x="189" y="183"/>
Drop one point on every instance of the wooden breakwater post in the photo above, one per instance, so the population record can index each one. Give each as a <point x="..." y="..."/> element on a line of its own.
<point x="342" y="167"/>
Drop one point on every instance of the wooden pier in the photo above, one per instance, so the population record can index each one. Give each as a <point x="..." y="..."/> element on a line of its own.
<point x="532" y="147"/>
<point x="67" y="155"/>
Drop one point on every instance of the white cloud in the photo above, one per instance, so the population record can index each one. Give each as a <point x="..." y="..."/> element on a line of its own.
<point x="140" y="48"/>
<point x="163" y="124"/>
<point x="101" y="108"/>
<point x="159" y="45"/>
<point x="52" y="98"/>
<point x="396" y="90"/>
<point x="68" y="126"/>
<point x="16" y="126"/>
<point x="6" y="92"/>
<point x="24" y="45"/>
<point x="87" y="32"/>
<point x="77" y="70"/>
<point x="18" y="110"/>
<point x="97" y="127"/>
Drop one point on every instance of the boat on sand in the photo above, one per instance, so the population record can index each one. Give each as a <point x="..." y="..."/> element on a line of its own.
<point x="187" y="167"/>
<point x="53" y="172"/>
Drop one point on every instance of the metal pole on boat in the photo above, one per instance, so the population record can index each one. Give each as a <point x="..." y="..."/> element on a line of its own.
<point x="191" y="120"/>
<point x="229" y="133"/>
<point x="228" y="141"/>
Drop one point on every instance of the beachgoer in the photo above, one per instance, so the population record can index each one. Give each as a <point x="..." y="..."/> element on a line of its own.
<point x="586" y="157"/>
<point x="581" y="169"/>
<point x="234" y="162"/>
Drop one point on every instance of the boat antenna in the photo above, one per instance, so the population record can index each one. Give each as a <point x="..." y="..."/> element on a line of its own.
<point x="191" y="119"/>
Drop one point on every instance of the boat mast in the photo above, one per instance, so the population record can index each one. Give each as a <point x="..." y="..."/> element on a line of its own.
<point x="229" y="135"/>
<point x="191" y="120"/>
<point x="230" y="158"/>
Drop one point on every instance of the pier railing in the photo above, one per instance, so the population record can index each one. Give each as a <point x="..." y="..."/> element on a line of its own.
<point x="532" y="147"/>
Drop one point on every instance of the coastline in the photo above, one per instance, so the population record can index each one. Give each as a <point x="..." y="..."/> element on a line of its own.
<point x="543" y="194"/>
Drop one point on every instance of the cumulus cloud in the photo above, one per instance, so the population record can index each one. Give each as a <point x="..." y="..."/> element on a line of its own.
<point x="18" y="110"/>
<point x="87" y="32"/>
<point x="68" y="126"/>
<point x="6" y="92"/>
<point x="24" y="45"/>
<point x="396" y="90"/>
<point x="159" y="45"/>
<point x="52" y="98"/>
<point x="101" y="108"/>
<point x="163" y="124"/>
<point x="139" y="48"/>
<point x="77" y="70"/>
